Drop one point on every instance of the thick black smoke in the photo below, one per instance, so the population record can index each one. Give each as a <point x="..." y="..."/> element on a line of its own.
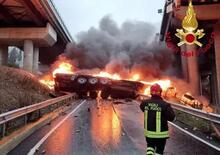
<point x="126" y="49"/>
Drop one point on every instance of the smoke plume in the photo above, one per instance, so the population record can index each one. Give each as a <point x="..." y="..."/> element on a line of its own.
<point x="132" y="47"/>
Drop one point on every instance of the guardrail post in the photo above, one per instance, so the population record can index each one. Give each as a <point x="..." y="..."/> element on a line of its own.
<point x="62" y="106"/>
<point x="25" y="119"/>
<point x="50" y="108"/>
<point x="3" y="129"/>
<point x="57" y="105"/>
<point x="38" y="113"/>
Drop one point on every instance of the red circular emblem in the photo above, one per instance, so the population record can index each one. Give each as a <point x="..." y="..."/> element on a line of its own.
<point x="190" y="38"/>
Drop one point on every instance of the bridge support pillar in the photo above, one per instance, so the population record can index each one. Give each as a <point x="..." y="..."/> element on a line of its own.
<point x="193" y="69"/>
<point x="3" y="55"/>
<point x="217" y="60"/>
<point x="35" y="59"/>
<point x="28" y="55"/>
<point x="184" y="63"/>
<point x="29" y="37"/>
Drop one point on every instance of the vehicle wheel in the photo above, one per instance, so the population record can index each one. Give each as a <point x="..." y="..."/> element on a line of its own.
<point x="93" y="94"/>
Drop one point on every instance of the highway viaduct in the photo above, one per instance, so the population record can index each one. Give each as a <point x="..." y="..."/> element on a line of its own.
<point x="197" y="70"/>
<point x="35" y="27"/>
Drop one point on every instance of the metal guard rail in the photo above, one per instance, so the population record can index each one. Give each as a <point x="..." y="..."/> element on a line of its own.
<point x="196" y="112"/>
<point x="5" y="117"/>
<point x="192" y="111"/>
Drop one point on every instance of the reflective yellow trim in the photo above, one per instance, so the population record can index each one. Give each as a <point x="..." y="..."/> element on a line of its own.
<point x="158" y="121"/>
<point x="150" y="149"/>
<point x="152" y="134"/>
<point x="145" y="119"/>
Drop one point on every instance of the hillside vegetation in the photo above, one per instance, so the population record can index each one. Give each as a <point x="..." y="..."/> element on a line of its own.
<point x="19" y="88"/>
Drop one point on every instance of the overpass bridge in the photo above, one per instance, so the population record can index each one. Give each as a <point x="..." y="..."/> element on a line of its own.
<point x="195" y="69"/>
<point x="34" y="26"/>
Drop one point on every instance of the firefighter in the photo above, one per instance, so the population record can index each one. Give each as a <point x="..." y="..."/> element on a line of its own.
<point x="156" y="114"/>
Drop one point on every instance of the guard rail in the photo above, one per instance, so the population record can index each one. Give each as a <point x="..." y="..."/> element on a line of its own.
<point x="11" y="115"/>
<point x="215" y="118"/>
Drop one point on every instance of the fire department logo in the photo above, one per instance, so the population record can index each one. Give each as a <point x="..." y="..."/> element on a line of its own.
<point x="190" y="34"/>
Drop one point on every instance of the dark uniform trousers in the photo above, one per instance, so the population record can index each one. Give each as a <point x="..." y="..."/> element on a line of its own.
<point x="158" y="145"/>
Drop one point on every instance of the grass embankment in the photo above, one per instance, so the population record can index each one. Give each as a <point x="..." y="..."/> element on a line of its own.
<point x="19" y="88"/>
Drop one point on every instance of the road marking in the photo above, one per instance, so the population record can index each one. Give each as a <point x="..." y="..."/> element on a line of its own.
<point x="196" y="137"/>
<point x="33" y="150"/>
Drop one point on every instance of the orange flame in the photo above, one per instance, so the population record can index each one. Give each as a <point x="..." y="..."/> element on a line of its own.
<point x="135" y="77"/>
<point x="163" y="83"/>
<point x="63" y="65"/>
<point x="108" y="75"/>
<point x="48" y="82"/>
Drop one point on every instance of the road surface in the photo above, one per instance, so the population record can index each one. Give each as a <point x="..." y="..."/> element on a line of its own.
<point x="102" y="128"/>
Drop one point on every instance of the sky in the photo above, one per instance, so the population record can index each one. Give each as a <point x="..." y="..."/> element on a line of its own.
<point x="80" y="15"/>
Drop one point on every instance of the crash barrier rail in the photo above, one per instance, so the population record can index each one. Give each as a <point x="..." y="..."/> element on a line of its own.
<point x="24" y="111"/>
<point x="215" y="118"/>
<point x="210" y="124"/>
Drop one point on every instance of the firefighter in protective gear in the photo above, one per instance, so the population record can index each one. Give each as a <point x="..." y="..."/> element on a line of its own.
<point x="156" y="114"/>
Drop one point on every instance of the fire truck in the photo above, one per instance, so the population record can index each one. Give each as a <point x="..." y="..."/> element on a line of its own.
<point x="91" y="86"/>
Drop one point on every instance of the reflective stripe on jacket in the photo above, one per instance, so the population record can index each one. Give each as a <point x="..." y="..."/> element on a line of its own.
<point x="156" y="114"/>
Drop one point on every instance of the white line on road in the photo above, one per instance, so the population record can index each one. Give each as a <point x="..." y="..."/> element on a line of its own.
<point x="194" y="136"/>
<point x="33" y="150"/>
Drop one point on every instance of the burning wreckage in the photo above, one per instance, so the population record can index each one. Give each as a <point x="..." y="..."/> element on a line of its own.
<point x="88" y="85"/>
<point x="92" y="86"/>
<point x="106" y="85"/>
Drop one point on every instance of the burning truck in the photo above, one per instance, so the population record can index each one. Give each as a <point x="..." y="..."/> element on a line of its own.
<point x="89" y="85"/>
<point x="65" y="77"/>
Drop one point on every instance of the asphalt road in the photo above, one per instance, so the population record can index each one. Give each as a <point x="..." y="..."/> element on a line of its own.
<point x="101" y="128"/>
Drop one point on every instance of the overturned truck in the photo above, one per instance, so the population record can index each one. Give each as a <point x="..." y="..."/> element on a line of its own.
<point x="88" y="85"/>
